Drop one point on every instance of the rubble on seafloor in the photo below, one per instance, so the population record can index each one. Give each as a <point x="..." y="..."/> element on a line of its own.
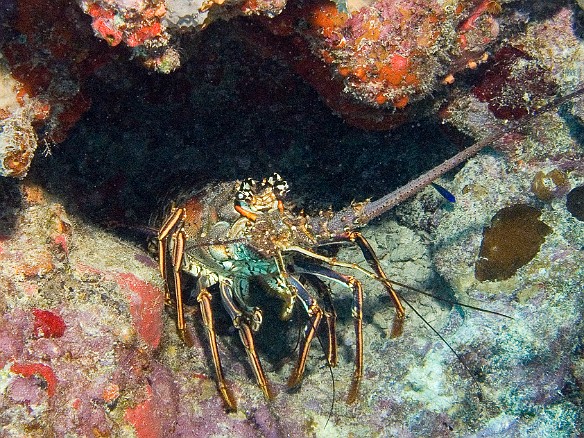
<point x="87" y="347"/>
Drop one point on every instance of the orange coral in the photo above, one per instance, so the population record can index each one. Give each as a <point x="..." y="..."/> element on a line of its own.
<point x="143" y="34"/>
<point x="110" y="393"/>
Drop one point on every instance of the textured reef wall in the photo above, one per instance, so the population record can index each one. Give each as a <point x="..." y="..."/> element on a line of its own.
<point x="376" y="64"/>
<point x="128" y="98"/>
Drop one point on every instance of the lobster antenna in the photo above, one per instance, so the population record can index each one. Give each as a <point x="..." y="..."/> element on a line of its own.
<point x="437" y="333"/>
<point x="376" y="208"/>
<point x="334" y="392"/>
<point x="446" y="300"/>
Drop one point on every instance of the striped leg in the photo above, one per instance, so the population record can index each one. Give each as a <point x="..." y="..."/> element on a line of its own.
<point x="369" y="254"/>
<point x="330" y="316"/>
<point x="172" y="230"/>
<point x="204" y="299"/>
<point x="246" y="323"/>
<point x="315" y="315"/>
<point x="355" y="286"/>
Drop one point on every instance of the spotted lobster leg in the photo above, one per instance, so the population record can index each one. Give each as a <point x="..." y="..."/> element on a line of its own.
<point x="246" y="324"/>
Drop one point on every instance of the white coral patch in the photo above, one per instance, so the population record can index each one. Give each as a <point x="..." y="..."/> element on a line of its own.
<point x="427" y="384"/>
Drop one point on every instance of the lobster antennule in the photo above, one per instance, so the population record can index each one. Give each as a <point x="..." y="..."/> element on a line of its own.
<point x="371" y="210"/>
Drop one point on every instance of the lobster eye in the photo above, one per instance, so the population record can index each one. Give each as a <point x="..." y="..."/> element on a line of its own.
<point x="277" y="185"/>
<point x="247" y="189"/>
<point x="281" y="188"/>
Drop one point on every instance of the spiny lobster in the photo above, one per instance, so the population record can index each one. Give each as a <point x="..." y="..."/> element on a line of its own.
<point x="231" y="232"/>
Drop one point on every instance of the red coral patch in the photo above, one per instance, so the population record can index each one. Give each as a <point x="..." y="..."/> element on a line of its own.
<point x="47" y="324"/>
<point x="146" y="303"/>
<point x="38" y="369"/>
<point x="144" y="418"/>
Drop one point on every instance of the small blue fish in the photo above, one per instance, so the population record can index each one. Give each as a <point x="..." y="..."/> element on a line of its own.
<point x="447" y="195"/>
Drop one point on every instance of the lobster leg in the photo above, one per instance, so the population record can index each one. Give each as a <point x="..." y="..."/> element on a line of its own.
<point x="358" y="322"/>
<point x="330" y="316"/>
<point x="315" y="315"/>
<point x="355" y="286"/>
<point x="369" y="254"/>
<point x="204" y="299"/>
<point x="244" y="323"/>
<point x="177" y="257"/>
<point x="163" y="235"/>
<point x="178" y="240"/>
<point x="174" y="222"/>
<point x="378" y="274"/>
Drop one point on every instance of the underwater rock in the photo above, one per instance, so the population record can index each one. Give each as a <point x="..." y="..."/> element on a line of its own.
<point x="547" y="186"/>
<point x="513" y="85"/>
<point x="575" y="203"/>
<point x="391" y="53"/>
<point x="512" y="240"/>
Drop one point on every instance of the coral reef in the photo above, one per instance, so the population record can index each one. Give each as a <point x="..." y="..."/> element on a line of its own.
<point x="367" y="59"/>
<point x="59" y="360"/>
<point x="377" y="64"/>
<point x="139" y="25"/>
<point x="395" y="52"/>
<point x="87" y="347"/>
<point x="514" y="84"/>
<point x="531" y="62"/>
<point x="46" y="53"/>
